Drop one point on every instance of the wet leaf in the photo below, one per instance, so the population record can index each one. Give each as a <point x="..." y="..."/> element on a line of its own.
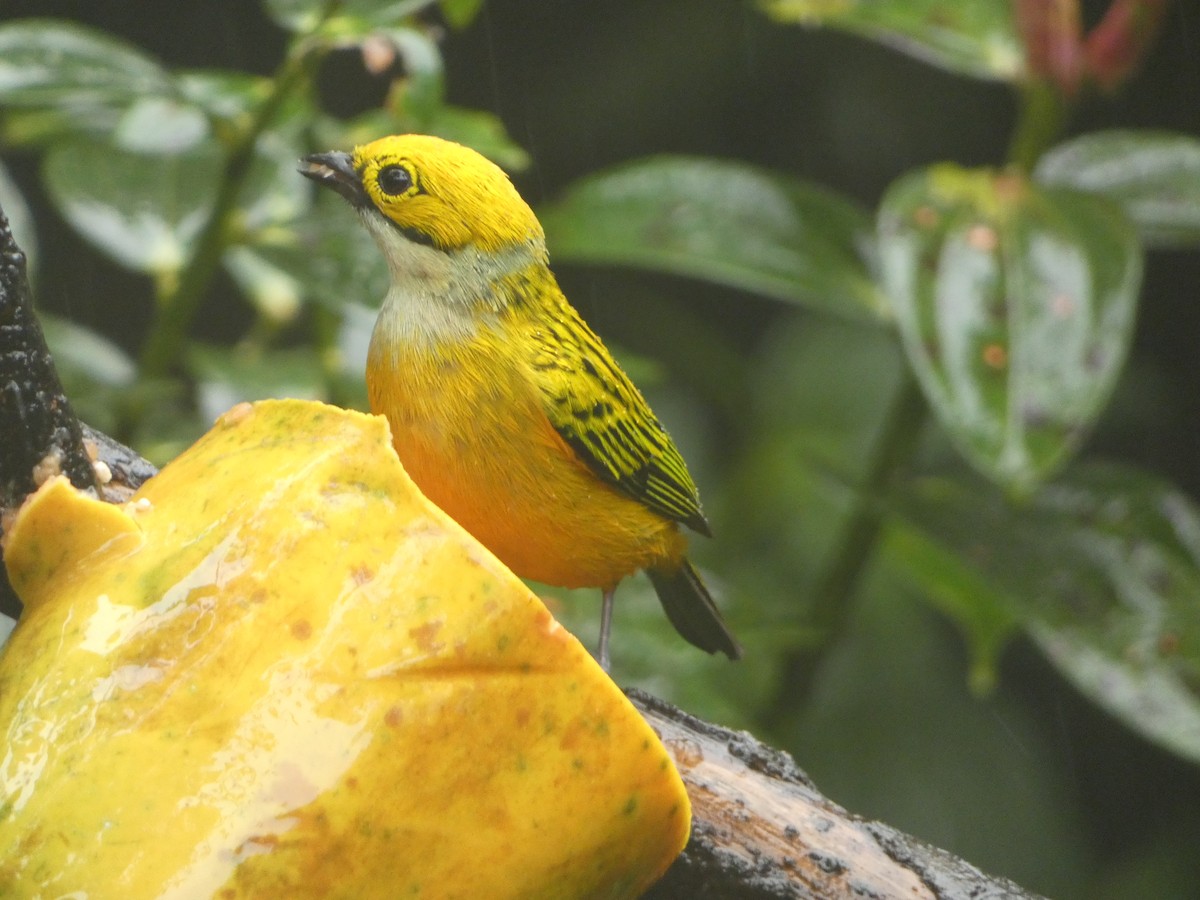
<point x="146" y="209"/>
<point x="954" y="586"/>
<point x="1101" y="567"/>
<point x="143" y="210"/>
<point x="225" y="95"/>
<point x="275" y="292"/>
<point x="350" y="16"/>
<point x="723" y="222"/>
<point x="59" y="80"/>
<point x="54" y="63"/>
<point x="1016" y="307"/>
<point x="1153" y="175"/>
<point x="160" y="125"/>
<point x="977" y="38"/>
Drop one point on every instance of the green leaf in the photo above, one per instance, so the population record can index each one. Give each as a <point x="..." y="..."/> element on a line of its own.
<point x="976" y="38"/>
<point x="227" y="96"/>
<point x="1016" y="306"/>
<point x="349" y="17"/>
<point x="1153" y="175"/>
<point x="297" y="15"/>
<point x="460" y="13"/>
<point x="60" y="80"/>
<point x="275" y="292"/>
<point x="1102" y="568"/>
<point x="956" y="588"/>
<point x="143" y="210"/>
<point x="146" y="209"/>
<point x="52" y="63"/>
<point x="723" y="222"/>
<point x="160" y="125"/>
<point x="41" y="126"/>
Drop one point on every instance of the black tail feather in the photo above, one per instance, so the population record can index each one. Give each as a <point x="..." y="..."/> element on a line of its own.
<point x="691" y="609"/>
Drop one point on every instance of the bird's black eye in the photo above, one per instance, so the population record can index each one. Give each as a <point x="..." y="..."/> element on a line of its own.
<point x="395" y="180"/>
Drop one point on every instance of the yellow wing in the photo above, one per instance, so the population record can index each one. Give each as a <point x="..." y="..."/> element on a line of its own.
<point x="604" y="418"/>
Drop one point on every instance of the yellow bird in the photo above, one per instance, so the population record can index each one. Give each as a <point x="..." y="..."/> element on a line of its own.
<point x="505" y="408"/>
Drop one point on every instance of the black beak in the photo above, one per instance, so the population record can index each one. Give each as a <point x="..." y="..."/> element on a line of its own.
<point x="335" y="170"/>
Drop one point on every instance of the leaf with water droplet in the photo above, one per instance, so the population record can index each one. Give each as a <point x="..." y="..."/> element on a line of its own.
<point x="978" y="38"/>
<point x="1101" y="568"/>
<point x="722" y="222"/>
<point x="1016" y="306"/>
<point x="145" y="210"/>
<point x="1153" y="175"/>
<point x="352" y="18"/>
<point x="49" y="63"/>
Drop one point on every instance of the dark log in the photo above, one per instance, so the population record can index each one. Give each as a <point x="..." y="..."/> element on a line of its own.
<point x="37" y="424"/>
<point x="761" y="829"/>
<point x="40" y="435"/>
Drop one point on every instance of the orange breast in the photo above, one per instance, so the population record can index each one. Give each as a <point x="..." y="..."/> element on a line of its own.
<point x="470" y="429"/>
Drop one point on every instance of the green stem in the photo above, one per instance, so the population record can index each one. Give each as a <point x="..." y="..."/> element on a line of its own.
<point x="1040" y="120"/>
<point x="167" y="338"/>
<point x="831" y="597"/>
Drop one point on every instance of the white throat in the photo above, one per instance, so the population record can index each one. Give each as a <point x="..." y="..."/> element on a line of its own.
<point x="438" y="296"/>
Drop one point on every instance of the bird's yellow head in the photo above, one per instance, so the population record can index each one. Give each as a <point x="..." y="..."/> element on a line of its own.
<point x="432" y="191"/>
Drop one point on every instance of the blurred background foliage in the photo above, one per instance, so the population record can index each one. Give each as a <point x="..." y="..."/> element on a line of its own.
<point x="878" y="267"/>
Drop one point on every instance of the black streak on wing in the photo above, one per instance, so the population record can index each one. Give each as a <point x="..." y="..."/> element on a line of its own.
<point x="612" y="429"/>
